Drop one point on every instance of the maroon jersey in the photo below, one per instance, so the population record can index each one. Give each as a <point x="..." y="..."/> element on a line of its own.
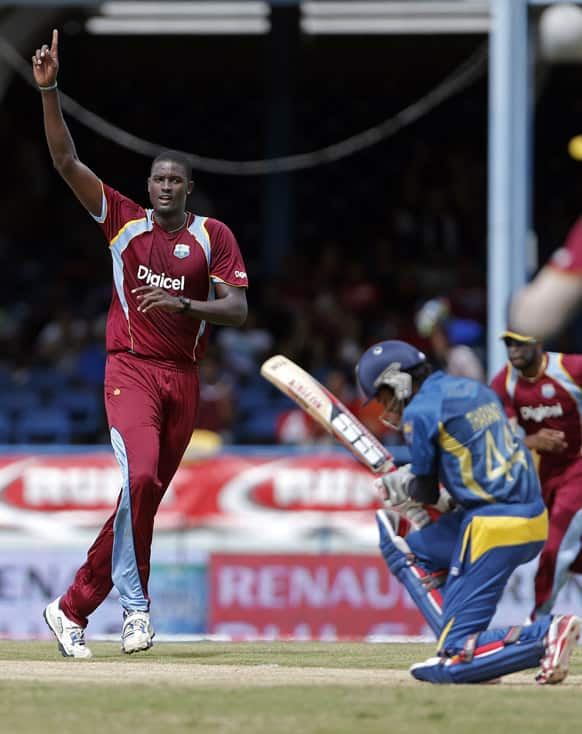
<point x="552" y="400"/>
<point x="568" y="259"/>
<point x="187" y="262"/>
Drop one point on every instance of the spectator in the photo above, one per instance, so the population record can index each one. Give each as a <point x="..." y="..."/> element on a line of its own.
<point x="446" y="338"/>
<point x="217" y="400"/>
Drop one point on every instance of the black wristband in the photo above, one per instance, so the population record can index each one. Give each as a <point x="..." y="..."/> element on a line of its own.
<point x="185" y="304"/>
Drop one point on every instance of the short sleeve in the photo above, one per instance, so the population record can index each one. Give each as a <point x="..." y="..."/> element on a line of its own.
<point x="420" y="429"/>
<point x="499" y="388"/>
<point x="227" y="265"/>
<point x="572" y="363"/>
<point x="116" y="211"/>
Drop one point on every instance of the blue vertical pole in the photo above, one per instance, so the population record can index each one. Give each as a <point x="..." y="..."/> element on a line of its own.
<point x="509" y="164"/>
<point x="522" y="146"/>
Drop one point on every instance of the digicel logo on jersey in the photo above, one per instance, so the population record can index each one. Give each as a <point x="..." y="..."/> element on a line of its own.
<point x="159" y="279"/>
<point x="538" y="413"/>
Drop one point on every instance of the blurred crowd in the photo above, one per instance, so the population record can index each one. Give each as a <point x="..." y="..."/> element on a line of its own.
<point x="329" y="298"/>
<point x="381" y="242"/>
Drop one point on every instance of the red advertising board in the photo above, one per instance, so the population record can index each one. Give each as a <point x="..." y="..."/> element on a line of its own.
<point x="80" y="490"/>
<point x="308" y="597"/>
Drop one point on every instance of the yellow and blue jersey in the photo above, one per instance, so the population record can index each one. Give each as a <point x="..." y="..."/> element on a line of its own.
<point x="457" y="428"/>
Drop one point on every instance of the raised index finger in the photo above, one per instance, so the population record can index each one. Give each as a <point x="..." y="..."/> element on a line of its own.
<point x="55" y="41"/>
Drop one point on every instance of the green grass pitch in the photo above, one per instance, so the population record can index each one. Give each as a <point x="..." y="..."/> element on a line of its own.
<point x="266" y="688"/>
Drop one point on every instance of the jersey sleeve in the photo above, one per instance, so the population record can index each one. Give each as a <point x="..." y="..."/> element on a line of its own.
<point x="116" y="211"/>
<point x="572" y="364"/>
<point x="227" y="265"/>
<point x="420" y="430"/>
<point x="498" y="386"/>
<point x="568" y="258"/>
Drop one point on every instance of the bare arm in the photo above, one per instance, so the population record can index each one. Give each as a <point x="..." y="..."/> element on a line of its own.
<point x="544" y="306"/>
<point x="84" y="183"/>
<point x="548" y="440"/>
<point x="229" y="308"/>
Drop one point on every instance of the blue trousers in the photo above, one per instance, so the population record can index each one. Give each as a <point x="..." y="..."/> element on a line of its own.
<point x="480" y="548"/>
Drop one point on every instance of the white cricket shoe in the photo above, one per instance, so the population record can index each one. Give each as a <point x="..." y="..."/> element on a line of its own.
<point x="562" y="635"/>
<point x="137" y="633"/>
<point x="70" y="636"/>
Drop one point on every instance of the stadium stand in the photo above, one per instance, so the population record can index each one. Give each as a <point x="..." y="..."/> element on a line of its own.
<point x="375" y="235"/>
<point x="43" y="425"/>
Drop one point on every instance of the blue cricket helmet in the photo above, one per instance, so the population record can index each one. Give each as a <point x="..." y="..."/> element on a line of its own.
<point x="397" y="355"/>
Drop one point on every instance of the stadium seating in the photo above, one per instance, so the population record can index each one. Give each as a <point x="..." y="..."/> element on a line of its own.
<point x="45" y="380"/>
<point x="259" y="427"/>
<point x="44" y="425"/>
<point x="15" y="401"/>
<point x="5" y="428"/>
<point x="5" y="377"/>
<point x="84" y="409"/>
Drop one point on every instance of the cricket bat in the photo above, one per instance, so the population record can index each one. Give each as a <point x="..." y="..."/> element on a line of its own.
<point x="328" y="411"/>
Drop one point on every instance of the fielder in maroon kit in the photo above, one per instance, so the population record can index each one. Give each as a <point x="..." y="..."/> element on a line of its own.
<point x="174" y="273"/>
<point x="542" y="392"/>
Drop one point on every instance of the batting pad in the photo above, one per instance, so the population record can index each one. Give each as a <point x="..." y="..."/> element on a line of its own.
<point x="489" y="662"/>
<point x="401" y="563"/>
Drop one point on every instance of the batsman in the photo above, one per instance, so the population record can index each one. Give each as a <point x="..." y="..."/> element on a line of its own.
<point x="456" y="567"/>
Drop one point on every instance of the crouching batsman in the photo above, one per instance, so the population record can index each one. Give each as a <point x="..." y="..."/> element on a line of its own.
<point x="456" y="567"/>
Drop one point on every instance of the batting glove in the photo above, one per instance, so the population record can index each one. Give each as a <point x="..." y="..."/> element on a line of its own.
<point x="445" y="502"/>
<point x="393" y="487"/>
<point x="417" y="515"/>
<point x="393" y="491"/>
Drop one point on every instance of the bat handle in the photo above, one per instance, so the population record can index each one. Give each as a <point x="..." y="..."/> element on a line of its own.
<point x="387" y="467"/>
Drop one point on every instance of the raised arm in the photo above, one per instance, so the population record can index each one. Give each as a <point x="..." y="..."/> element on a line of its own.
<point x="543" y="307"/>
<point x="84" y="183"/>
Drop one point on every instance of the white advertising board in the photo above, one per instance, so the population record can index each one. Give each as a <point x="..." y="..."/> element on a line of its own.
<point x="31" y="578"/>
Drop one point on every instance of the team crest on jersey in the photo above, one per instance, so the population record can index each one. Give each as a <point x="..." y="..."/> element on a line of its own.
<point x="548" y="391"/>
<point x="181" y="251"/>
